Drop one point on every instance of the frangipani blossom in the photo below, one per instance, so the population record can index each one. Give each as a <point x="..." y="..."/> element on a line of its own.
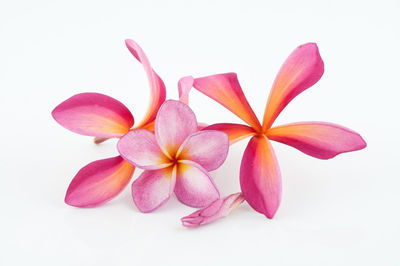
<point x="216" y="210"/>
<point x="98" y="115"/>
<point x="260" y="178"/>
<point x="176" y="158"/>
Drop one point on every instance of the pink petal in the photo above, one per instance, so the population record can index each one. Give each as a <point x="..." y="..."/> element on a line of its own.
<point x="98" y="182"/>
<point x="235" y="132"/>
<point x="185" y="84"/>
<point x="318" y="139"/>
<point x="201" y="126"/>
<point x="157" y="87"/>
<point x="194" y="186"/>
<point x="140" y="148"/>
<point x="216" y="210"/>
<point x="153" y="188"/>
<point x="260" y="177"/>
<point x="174" y="123"/>
<point x="302" y="69"/>
<point x="226" y="90"/>
<point x="208" y="148"/>
<point x="94" y="114"/>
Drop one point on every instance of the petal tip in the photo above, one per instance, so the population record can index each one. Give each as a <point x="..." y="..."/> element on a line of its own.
<point x="147" y="210"/>
<point x="270" y="214"/>
<point x="363" y="143"/>
<point x="311" y="45"/>
<point x="70" y="201"/>
<point x="130" y="42"/>
<point x="74" y="201"/>
<point x="189" y="223"/>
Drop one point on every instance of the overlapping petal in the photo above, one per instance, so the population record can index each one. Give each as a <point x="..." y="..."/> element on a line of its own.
<point x="194" y="186"/>
<point x="185" y="84"/>
<point x="157" y="87"/>
<point x="140" y="148"/>
<point x="94" y="114"/>
<point x="226" y="90"/>
<point x="216" y="210"/>
<point x="318" y="139"/>
<point x="99" y="182"/>
<point x="302" y="69"/>
<point x="235" y="132"/>
<point x="260" y="177"/>
<point x="208" y="148"/>
<point x="175" y="122"/>
<point x="153" y="188"/>
<point x="201" y="126"/>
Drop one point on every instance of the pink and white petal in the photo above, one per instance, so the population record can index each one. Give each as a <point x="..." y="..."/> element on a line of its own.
<point x="260" y="178"/>
<point x="94" y="114"/>
<point x="302" y="69"/>
<point x="225" y="89"/>
<point x="140" y="148"/>
<point x="235" y="132"/>
<point x="185" y="84"/>
<point x="194" y="185"/>
<point x="153" y="188"/>
<point x="98" y="182"/>
<point x="208" y="148"/>
<point x="174" y="123"/>
<point x="318" y="139"/>
<point x="157" y="87"/>
<point x="216" y="210"/>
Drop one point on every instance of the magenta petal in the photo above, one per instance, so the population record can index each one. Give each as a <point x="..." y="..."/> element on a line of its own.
<point x="94" y="114"/>
<point x="302" y="69"/>
<point x="174" y="123"/>
<point x="140" y="148"/>
<point x="194" y="186"/>
<point x="153" y="188"/>
<point x="157" y="87"/>
<point x="185" y="84"/>
<point x="318" y="139"/>
<point x="99" y="182"/>
<point x="260" y="177"/>
<point x="208" y="148"/>
<point x="216" y="210"/>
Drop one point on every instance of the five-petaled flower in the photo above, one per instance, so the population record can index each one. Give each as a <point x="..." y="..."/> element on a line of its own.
<point x="260" y="178"/>
<point x="98" y="115"/>
<point x="176" y="158"/>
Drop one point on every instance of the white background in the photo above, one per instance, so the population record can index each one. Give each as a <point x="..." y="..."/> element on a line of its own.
<point x="342" y="211"/>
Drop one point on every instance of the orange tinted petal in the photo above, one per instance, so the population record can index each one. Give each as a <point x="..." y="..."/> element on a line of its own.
<point x="318" y="139"/>
<point x="226" y="90"/>
<point x="98" y="182"/>
<point x="157" y="87"/>
<point x="302" y="69"/>
<point x="260" y="177"/>
<point x="235" y="132"/>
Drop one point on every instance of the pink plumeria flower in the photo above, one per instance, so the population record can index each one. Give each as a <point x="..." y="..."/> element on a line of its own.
<point x="260" y="178"/>
<point x="216" y="210"/>
<point x="176" y="158"/>
<point x="98" y="115"/>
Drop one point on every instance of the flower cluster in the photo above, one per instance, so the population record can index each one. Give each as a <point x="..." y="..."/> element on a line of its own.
<point x="177" y="153"/>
